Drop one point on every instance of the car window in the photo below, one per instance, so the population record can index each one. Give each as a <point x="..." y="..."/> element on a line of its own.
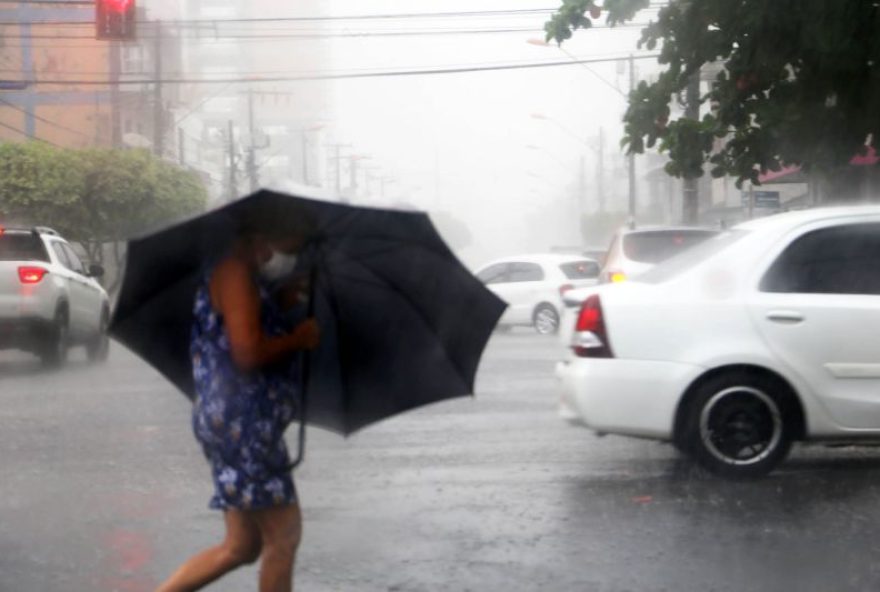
<point x="655" y="246"/>
<point x="75" y="262"/>
<point x="691" y="257"/>
<point x="580" y="270"/>
<point x="526" y="272"/>
<point x="58" y="248"/>
<point x="494" y="274"/>
<point x="840" y="260"/>
<point x="22" y="247"/>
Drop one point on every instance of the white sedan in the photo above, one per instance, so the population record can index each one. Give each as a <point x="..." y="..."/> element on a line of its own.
<point x="763" y="335"/>
<point x="533" y="286"/>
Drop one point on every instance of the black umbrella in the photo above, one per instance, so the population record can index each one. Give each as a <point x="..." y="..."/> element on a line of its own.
<point x="403" y="322"/>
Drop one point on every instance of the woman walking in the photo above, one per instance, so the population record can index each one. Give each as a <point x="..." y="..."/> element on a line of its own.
<point x="242" y="352"/>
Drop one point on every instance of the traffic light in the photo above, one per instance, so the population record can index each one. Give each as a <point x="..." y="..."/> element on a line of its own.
<point x="115" y="19"/>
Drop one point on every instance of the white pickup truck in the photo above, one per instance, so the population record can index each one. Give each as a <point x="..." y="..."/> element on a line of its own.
<point x="49" y="301"/>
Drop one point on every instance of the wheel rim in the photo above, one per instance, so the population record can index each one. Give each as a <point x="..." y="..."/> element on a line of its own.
<point x="741" y="426"/>
<point x="546" y="321"/>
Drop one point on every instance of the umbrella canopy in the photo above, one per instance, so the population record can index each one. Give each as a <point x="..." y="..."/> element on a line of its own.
<point x="403" y="322"/>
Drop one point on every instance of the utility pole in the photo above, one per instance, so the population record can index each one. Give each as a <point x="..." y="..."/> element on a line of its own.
<point x="632" y="156"/>
<point x="158" y="123"/>
<point x="305" y="156"/>
<point x="252" y="150"/>
<point x="115" y="115"/>
<point x="181" y="147"/>
<point x="352" y="175"/>
<point x="233" y="180"/>
<point x="600" y="171"/>
<point x="582" y="190"/>
<point x="337" y="158"/>
<point x="691" y="197"/>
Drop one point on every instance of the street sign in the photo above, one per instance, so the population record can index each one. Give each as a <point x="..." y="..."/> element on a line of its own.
<point x="763" y="199"/>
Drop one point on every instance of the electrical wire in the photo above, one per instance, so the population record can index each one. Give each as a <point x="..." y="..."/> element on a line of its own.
<point x="207" y="36"/>
<point x="26" y="135"/>
<point x="326" y="18"/>
<point x="44" y="119"/>
<point x="338" y="76"/>
<point x="615" y="56"/>
<point x="514" y="12"/>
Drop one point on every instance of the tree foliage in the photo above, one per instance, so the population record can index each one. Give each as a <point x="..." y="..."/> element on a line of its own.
<point x="94" y="197"/>
<point x="798" y="81"/>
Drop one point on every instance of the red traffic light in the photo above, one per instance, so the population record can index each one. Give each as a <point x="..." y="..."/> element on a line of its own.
<point x="115" y="19"/>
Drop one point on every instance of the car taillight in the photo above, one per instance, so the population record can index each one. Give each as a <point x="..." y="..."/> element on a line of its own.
<point x="590" y="338"/>
<point x="31" y="275"/>
<point x="565" y="288"/>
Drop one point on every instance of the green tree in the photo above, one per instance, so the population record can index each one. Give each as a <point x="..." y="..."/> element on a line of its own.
<point x="96" y="197"/>
<point x="799" y="83"/>
<point x="39" y="184"/>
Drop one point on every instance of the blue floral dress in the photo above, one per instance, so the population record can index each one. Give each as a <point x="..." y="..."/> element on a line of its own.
<point x="240" y="418"/>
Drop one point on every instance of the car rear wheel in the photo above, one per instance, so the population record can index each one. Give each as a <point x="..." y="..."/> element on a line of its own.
<point x="546" y="320"/>
<point x="739" y="425"/>
<point x="54" y="352"/>
<point x="99" y="347"/>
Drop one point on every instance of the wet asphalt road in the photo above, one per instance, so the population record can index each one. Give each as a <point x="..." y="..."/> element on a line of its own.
<point x="102" y="489"/>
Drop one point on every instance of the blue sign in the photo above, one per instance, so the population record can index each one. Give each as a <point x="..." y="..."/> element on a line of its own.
<point x="763" y="199"/>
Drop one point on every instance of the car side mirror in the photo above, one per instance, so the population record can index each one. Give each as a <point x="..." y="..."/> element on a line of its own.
<point x="96" y="271"/>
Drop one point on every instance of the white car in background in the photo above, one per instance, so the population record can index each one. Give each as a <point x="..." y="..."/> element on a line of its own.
<point x="533" y="286"/>
<point x="49" y="300"/>
<point x="633" y="251"/>
<point x="763" y="335"/>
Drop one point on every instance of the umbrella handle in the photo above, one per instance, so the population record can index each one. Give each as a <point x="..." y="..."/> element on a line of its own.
<point x="304" y="373"/>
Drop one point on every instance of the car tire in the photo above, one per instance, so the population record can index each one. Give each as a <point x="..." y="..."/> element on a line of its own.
<point x="546" y="320"/>
<point x="57" y="341"/>
<point x="739" y="425"/>
<point x="98" y="348"/>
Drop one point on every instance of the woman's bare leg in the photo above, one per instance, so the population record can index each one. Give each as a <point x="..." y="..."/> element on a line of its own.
<point x="241" y="546"/>
<point x="281" y="531"/>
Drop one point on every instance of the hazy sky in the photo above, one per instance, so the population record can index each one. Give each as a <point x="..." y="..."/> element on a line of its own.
<point x="460" y="143"/>
<point x="467" y="144"/>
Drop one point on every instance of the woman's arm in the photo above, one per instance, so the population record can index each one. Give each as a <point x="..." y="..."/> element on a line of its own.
<point x="238" y="300"/>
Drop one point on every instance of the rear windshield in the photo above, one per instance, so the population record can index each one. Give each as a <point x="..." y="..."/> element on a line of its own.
<point x="691" y="257"/>
<point x="22" y="247"/>
<point x="580" y="270"/>
<point x="660" y="245"/>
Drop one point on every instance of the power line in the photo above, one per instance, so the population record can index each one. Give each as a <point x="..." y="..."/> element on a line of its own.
<point x="513" y="12"/>
<point x="339" y="76"/>
<point x="214" y="35"/>
<point x="26" y="135"/>
<point x="87" y="3"/>
<point x="275" y="73"/>
<point x="327" y="18"/>
<point x="43" y="119"/>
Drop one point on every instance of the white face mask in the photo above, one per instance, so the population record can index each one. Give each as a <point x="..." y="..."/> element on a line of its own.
<point x="278" y="266"/>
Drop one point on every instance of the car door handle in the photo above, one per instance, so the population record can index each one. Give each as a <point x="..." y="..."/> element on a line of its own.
<point x="790" y="317"/>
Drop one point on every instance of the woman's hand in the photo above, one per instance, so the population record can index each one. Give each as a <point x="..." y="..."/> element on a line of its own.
<point x="307" y="334"/>
<point x="237" y="298"/>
